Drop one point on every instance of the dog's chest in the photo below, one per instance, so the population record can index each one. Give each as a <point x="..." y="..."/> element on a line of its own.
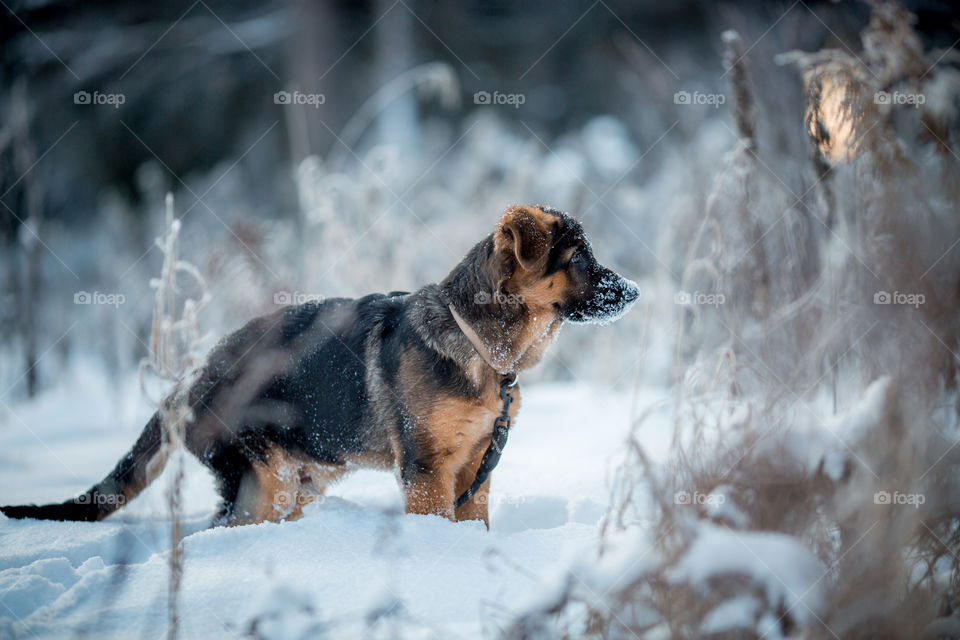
<point x="461" y="427"/>
<point x="456" y="424"/>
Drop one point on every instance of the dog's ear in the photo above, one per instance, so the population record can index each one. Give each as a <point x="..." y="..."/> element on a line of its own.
<point x="524" y="235"/>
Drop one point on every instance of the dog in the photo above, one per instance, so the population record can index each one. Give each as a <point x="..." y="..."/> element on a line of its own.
<point x="408" y="382"/>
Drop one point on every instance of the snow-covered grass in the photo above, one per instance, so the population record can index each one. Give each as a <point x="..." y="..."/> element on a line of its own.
<point x="810" y="490"/>
<point x="353" y="561"/>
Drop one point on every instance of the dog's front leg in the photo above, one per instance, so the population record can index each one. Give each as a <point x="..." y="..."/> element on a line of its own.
<point x="430" y="492"/>
<point x="476" y="507"/>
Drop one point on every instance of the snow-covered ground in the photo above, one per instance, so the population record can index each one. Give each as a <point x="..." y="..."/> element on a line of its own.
<point x="353" y="562"/>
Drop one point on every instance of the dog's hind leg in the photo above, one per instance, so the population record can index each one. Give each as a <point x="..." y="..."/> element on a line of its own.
<point x="277" y="487"/>
<point x="264" y="496"/>
<point x="229" y="466"/>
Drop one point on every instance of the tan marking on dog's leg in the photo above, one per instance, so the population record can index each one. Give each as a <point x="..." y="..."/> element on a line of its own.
<point x="430" y="493"/>
<point x="314" y="478"/>
<point x="476" y="508"/>
<point x="301" y="500"/>
<point x="254" y="501"/>
<point x="279" y="487"/>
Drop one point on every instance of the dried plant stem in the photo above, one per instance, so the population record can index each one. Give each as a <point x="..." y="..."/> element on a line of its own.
<point x="173" y="354"/>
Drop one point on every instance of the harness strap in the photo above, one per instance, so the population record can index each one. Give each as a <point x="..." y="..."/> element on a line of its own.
<point x="501" y="429"/>
<point x="501" y="426"/>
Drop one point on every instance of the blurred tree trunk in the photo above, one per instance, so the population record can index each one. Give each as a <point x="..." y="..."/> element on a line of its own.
<point x="314" y="53"/>
<point x="33" y="295"/>
<point x="31" y="283"/>
<point x="397" y="124"/>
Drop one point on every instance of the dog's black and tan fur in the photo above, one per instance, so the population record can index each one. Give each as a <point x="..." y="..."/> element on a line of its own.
<point x="297" y="398"/>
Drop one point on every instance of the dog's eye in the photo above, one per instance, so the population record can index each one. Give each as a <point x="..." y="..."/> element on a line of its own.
<point x="577" y="258"/>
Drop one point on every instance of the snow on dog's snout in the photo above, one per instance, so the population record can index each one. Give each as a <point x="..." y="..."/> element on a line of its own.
<point x="612" y="297"/>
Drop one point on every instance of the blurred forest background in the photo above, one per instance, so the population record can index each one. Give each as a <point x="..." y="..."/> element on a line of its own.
<point x="781" y="178"/>
<point x="383" y="181"/>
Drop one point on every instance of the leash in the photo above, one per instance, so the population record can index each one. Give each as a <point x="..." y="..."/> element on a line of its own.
<point x="501" y="426"/>
<point x="501" y="429"/>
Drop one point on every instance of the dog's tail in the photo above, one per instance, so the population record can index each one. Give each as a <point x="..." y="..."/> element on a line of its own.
<point x="133" y="473"/>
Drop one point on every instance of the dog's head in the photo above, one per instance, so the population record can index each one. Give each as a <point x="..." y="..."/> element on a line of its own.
<point x="546" y="261"/>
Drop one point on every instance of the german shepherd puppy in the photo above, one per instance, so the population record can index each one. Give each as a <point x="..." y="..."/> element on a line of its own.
<point x="404" y="381"/>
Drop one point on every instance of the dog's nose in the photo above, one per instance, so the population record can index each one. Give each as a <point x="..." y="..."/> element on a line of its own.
<point x="630" y="290"/>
